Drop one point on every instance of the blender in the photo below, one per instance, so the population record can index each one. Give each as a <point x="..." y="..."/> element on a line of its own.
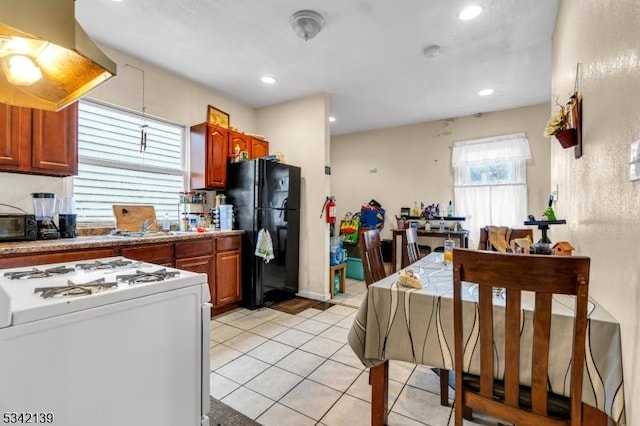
<point x="44" y="206"/>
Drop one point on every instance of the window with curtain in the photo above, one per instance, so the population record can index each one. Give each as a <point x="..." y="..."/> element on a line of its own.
<point x="114" y="169"/>
<point x="490" y="181"/>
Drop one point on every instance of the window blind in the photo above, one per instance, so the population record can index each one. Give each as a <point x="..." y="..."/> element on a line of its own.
<point x="113" y="170"/>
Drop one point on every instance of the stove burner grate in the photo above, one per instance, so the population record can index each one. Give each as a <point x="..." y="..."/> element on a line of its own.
<point x="147" y="277"/>
<point x="39" y="273"/>
<point x="73" y="289"/>
<point x="98" y="264"/>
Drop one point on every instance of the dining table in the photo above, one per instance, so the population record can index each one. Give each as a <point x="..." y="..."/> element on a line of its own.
<point x="415" y="325"/>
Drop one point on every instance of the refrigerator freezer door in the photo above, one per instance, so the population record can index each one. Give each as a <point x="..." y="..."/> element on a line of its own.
<point x="280" y="187"/>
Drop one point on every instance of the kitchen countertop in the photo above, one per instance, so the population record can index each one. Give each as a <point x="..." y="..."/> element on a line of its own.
<point x="24" y="247"/>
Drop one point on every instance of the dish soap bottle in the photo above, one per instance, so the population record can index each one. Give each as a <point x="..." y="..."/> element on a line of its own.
<point x="166" y="223"/>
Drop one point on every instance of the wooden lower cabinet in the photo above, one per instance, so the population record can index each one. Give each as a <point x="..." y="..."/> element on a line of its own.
<point x="228" y="272"/>
<point x="198" y="256"/>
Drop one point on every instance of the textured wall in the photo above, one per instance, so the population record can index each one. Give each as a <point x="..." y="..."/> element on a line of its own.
<point x="601" y="205"/>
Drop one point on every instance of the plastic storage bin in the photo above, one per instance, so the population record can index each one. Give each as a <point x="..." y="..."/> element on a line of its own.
<point x="354" y="269"/>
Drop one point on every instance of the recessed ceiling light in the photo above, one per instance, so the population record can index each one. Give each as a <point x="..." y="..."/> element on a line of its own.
<point x="485" y="92"/>
<point x="332" y="119"/>
<point x="470" y="13"/>
<point x="268" y="79"/>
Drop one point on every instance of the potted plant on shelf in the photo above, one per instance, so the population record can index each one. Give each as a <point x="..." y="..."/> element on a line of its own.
<point x="559" y="126"/>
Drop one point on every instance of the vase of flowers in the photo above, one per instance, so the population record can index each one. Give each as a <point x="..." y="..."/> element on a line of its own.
<point x="558" y="126"/>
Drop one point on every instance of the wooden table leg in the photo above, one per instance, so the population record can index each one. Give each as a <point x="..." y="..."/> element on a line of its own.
<point x="379" y="394"/>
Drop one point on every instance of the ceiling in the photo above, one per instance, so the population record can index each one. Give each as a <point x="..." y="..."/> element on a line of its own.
<point x="369" y="56"/>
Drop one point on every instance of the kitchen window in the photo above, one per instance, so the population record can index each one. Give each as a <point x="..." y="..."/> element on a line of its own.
<point x="114" y="169"/>
<point x="490" y="181"/>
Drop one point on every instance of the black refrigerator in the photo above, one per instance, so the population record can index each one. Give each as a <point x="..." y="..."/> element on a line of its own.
<point x="266" y="195"/>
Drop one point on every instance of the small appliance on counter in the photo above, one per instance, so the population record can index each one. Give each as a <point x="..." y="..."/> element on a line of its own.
<point x="17" y="226"/>
<point x="44" y="208"/>
<point x="67" y="217"/>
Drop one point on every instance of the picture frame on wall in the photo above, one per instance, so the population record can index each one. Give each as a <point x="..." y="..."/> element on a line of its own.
<point x="217" y="117"/>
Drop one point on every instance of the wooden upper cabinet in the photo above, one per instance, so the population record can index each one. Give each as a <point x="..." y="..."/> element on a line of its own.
<point x="259" y="148"/>
<point x="55" y="141"/>
<point x="208" y="155"/>
<point x="15" y="138"/>
<point x="241" y="139"/>
<point x="39" y="142"/>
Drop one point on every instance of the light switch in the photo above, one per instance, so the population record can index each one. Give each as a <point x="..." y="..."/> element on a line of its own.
<point x="634" y="161"/>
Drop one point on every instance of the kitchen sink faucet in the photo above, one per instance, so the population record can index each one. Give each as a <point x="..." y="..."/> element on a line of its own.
<point x="146" y="225"/>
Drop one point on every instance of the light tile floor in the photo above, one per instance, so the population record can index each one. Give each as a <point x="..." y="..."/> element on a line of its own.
<point x="282" y="369"/>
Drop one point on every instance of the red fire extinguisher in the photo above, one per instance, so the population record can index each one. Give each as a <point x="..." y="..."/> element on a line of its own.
<point x="329" y="209"/>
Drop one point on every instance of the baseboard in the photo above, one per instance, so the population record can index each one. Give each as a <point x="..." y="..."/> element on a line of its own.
<point x="313" y="295"/>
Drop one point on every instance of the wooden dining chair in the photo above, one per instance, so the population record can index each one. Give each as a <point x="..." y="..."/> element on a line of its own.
<point x="370" y="247"/>
<point x="411" y="251"/>
<point x="505" y="397"/>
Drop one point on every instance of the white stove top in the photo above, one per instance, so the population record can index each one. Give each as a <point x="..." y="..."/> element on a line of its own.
<point x="19" y="303"/>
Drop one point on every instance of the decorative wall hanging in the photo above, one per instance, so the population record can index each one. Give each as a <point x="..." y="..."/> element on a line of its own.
<point x="566" y="124"/>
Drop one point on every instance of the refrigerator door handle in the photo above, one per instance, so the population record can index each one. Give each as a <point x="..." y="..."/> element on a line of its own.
<point x="204" y="391"/>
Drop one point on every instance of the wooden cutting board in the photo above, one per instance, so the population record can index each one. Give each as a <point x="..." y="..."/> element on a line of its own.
<point x="131" y="217"/>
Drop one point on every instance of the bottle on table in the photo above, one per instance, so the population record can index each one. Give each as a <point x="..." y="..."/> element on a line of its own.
<point x="441" y="224"/>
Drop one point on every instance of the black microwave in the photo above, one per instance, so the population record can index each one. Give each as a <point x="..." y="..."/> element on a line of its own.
<point x="18" y="227"/>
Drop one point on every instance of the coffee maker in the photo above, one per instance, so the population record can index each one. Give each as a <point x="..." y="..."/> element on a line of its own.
<point x="44" y="208"/>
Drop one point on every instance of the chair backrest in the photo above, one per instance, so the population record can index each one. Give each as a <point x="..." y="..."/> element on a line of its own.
<point x="544" y="276"/>
<point x="412" y="249"/>
<point x="508" y="234"/>
<point x="371" y="253"/>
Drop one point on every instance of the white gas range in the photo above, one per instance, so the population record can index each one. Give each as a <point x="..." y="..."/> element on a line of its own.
<point x="104" y="342"/>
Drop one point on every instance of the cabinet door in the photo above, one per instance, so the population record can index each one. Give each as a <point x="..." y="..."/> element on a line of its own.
<point x="228" y="285"/>
<point x="55" y="141"/>
<point x="216" y="169"/>
<point x="240" y="139"/>
<point x="201" y="265"/>
<point x="15" y="138"/>
<point x="259" y="148"/>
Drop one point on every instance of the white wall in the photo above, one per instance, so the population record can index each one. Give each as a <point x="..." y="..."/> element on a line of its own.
<point x="167" y="96"/>
<point x="599" y="202"/>
<point x="414" y="162"/>
<point x="299" y="129"/>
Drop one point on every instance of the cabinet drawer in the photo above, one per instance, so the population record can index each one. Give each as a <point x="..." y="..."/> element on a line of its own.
<point x="154" y="253"/>
<point x="194" y="248"/>
<point x="228" y="243"/>
<point x="58" y="257"/>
